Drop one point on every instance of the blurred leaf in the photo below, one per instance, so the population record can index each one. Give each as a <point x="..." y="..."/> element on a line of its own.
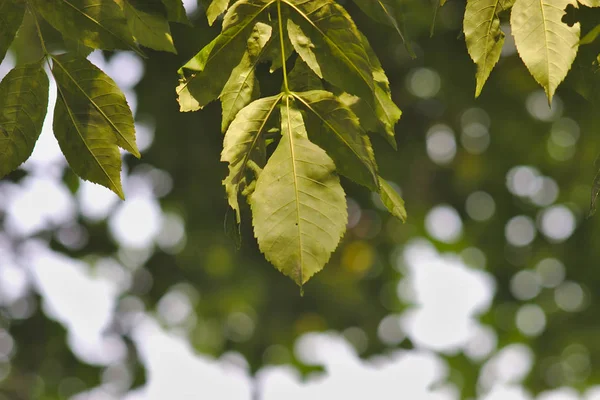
<point x="11" y="16"/>
<point x="546" y="45"/>
<point x="23" y="106"/>
<point x="591" y="35"/>
<point x="242" y="86"/>
<point x="341" y="136"/>
<point x="301" y="78"/>
<point x="176" y="11"/>
<point x="243" y="146"/>
<point x="391" y="200"/>
<point x="386" y="12"/>
<point x="147" y="20"/>
<point x="210" y="69"/>
<point x="91" y="119"/>
<point x="299" y="206"/>
<point x="96" y="23"/>
<point x="216" y="8"/>
<point x="483" y="36"/>
<point x="595" y="193"/>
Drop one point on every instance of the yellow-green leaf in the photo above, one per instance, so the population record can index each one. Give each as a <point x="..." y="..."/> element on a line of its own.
<point x="216" y="8"/>
<point x="147" y="20"/>
<point x="298" y="206"/>
<point x="546" y="45"/>
<point x="304" y="47"/>
<point x="176" y="11"/>
<point x="391" y="200"/>
<point x="23" y="106"/>
<point x="11" y="16"/>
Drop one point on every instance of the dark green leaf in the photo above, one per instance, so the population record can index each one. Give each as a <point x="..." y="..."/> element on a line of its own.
<point x="336" y="129"/>
<point x="11" y="16"/>
<point x="147" y="20"/>
<point x="302" y="78"/>
<point x="23" y="106"/>
<point x="299" y="206"/>
<point x="303" y="46"/>
<point x="176" y="11"/>
<point x="96" y="23"/>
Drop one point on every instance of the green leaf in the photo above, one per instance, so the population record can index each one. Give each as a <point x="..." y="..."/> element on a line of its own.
<point x="591" y="35"/>
<point x="23" y="106"/>
<point x="216" y="8"/>
<point x="11" y="16"/>
<point x="242" y="86"/>
<point x="391" y="200"/>
<point x="338" y="47"/>
<point x="243" y="146"/>
<point x="301" y="78"/>
<point x="147" y="20"/>
<point x="303" y="46"/>
<point x="299" y="207"/>
<point x="98" y="24"/>
<point x="590" y="3"/>
<point x="386" y="12"/>
<point x="272" y="51"/>
<point x="546" y="45"/>
<point x="176" y="11"/>
<point x="208" y="71"/>
<point x="484" y="37"/>
<point x="336" y="129"/>
<point x="91" y="119"/>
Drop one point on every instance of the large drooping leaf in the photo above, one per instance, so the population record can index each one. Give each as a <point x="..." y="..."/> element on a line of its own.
<point x="176" y="11"/>
<point x="242" y="86"/>
<point x="216" y="8"/>
<point x="335" y="43"/>
<point x="243" y="146"/>
<point x="207" y="72"/>
<point x="386" y="12"/>
<point x="91" y="120"/>
<point x="96" y="23"/>
<point x="147" y="20"/>
<point x="546" y="45"/>
<point x="302" y="79"/>
<point x="337" y="130"/>
<point x="298" y="206"/>
<point x="392" y="200"/>
<point x="484" y="37"/>
<point x="23" y="106"/>
<point x="11" y="15"/>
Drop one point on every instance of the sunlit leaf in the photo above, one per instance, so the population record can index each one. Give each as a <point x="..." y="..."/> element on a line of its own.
<point x="91" y="119"/>
<point x="242" y="86"/>
<point x="337" y="130"/>
<point x="147" y="20"/>
<point x="96" y="23"/>
<point x="243" y="146"/>
<point x="23" y="106"/>
<point x="590" y="3"/>
<point x="484" y="37"/>
<point x="391" y="200"/>
<point x="386" y="12"/>
<point x="546" y="45"/>
<point x="299" y="206"/>
<point x="216" y="8"/>
<point x="303" y="46"/>
<point x="11" y="16"/>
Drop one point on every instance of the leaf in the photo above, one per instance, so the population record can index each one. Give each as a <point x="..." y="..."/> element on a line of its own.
<point x="303" y="46"/>
<point x="590" y="3"/>
<point x="272" y="51"/>
<point x="208" y="71"/>
<point x="484" y="37"/>
<point x="391" y="200"/>
<point x="11" y="16"/>
<point x="148" y="22"/>
<point x="338" y="48"/>
<point x="216" y="8"/>
<point x="338" y="131"/>
<point x="242" y="86"/>
<point x="595" y="193"/>
<point x="591" y="35"/>
<point x="546" y="45"/>
<point x="301" y="78"/>
<point x="23" y="106"/>
<point x="98" y="24"/>
<point x="299" y="207"/>
<point x="386" y="12"/>
<point x="91" y="119"/>
<point x="176" y="11"/>
<point x="243" y="145"/>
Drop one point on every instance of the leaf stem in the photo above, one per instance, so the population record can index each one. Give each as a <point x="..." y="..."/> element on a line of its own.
<point x="285" y="80"/>
<point x="39" y="31"/>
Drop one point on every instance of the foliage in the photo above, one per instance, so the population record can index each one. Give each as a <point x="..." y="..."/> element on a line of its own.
<point x="285" y="149"/>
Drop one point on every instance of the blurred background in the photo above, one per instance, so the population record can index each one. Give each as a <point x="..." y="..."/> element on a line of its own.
<point x="489" y="291"/>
